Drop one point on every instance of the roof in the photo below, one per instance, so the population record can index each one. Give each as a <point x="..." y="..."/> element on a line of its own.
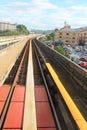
<point x="58" y="42"/>
<point x="66" y="29"/>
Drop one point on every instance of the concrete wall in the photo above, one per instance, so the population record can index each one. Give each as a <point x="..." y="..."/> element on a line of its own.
<point x="77" y="72"/>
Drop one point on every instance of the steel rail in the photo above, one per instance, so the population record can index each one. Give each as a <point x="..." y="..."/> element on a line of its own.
<point x="5" y="109"/>
<point x="48" y="93"/>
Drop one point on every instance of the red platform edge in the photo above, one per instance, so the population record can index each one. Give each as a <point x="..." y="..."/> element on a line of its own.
<point x="4" y="90"/>
<point x="19" y="93"/>
<point x="14" y="118"/>
<point x="44" y="115"/>
<point x="11" y="129"/>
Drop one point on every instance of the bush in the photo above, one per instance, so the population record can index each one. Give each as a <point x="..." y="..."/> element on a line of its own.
<point x="60" y="49"/>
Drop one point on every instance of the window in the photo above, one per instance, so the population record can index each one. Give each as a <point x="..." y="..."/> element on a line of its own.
<point x="60" y="33"/>
<point x="60" y="36"/>
<point x="73" y="41"/>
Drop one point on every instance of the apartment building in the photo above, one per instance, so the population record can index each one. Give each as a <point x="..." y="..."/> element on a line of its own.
<point x="66" y="35"/>
<point x="83" y="37"/>
<point x="7" y="26"/>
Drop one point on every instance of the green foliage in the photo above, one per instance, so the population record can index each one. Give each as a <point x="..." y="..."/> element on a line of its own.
<point x="9" y="33"/>
<point x="60" y="49"/>
<point x="22" y="29"/>
<point x="50" y="37"/>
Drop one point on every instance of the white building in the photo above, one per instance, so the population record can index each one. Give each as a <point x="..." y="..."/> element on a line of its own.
<point x="83" y="37"/>
<point x="7" y="26"/>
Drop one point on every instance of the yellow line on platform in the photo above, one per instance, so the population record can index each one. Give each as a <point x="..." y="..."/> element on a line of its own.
<point x="79" y="119"/>
<point x="29" y="122"/>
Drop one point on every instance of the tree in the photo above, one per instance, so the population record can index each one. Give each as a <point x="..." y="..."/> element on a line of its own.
<point x="22" y="29"/>
<point x="50" y="36"/>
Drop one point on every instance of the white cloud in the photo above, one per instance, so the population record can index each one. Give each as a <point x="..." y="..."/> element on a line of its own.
<point x="78" y="9"/>
<point x="43" y="14"/>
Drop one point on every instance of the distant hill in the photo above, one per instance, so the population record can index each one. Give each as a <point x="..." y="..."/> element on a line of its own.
<point x="51" y="31"/>
<point x="78" y="29"/>
<point x="42" y="31"/>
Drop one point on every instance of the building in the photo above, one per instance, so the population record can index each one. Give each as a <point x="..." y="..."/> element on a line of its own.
<point x="7" y="26"/>
<point x="83" y="37"/>
<point x="66" y="35"/>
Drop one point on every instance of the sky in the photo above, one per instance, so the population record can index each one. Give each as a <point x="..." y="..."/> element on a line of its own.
<point x="44" y="14"/>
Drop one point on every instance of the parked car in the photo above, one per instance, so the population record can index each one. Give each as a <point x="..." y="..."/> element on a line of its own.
<point x="82" y="59"/>
<point x="84" y="64"/>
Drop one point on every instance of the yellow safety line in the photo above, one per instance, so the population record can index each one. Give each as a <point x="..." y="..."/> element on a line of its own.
<point x="79" y="119"/>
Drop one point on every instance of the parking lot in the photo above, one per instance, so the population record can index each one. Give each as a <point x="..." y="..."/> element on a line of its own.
<point x="78" y="54"/>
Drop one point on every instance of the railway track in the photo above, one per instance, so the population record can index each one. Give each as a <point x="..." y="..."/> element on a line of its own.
<point x="76" y="92"/>
<point x="14" y="78"/>
<point x="64" y="119"/>
<point x="40" y="98"/>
